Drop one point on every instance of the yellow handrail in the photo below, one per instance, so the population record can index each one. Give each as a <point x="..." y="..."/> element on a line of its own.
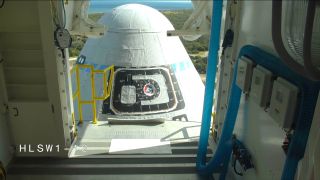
<point x="107" y="85"/>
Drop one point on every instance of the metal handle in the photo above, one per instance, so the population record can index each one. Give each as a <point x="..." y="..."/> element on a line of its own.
<point x="17" y="112"/>
<point x="313" y="70"/>
<point x="307" y="70"/>
<point x="278" y="42"/>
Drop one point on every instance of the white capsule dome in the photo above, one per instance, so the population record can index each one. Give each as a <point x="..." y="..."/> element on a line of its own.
<point x="136" y="37"/>
<point x="136" y="18"/>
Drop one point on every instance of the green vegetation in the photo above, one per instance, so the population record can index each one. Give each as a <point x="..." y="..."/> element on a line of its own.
<point x="95" y="17"/>
<point x="177" y="18"/>
<point x="200" y="63"/>
<point x="196" y="49"/>
<point x="78" y="41"/>
<point x="77" y="45"/>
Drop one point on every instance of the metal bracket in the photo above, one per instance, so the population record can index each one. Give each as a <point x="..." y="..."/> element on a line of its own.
<point x="187" y="32"/>
<point x="17" y="112"/>
<point x="200" y="20"/>
<point x="82" y="25"/>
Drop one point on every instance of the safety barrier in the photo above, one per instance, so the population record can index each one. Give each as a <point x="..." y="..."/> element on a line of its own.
<point x="107" y="85"/>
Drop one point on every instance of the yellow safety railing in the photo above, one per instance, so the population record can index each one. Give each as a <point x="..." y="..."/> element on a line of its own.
<point x="107" y="85"/>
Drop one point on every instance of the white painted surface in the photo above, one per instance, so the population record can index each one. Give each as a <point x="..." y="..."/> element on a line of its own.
<point x="31" y="77"/>
<point x="254" y="127"/>
<point x="139" y="146"/>
<point x="244" y="74"/>
<point x="57" y="76"/>
<point x="33" y="128"/>
<point x="261" y="86"/>
<point x="283" y="102"/>
<point x="132" y="138"/>
<point x="5" y="139"/>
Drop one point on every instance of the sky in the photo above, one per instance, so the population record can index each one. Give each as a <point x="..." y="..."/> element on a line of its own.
<point x="108" y="5"/>
<point x="147" y="0"/>
<point x="176" y="1"/>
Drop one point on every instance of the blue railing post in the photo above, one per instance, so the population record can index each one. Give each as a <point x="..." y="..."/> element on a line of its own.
<point x="210" y="81"/>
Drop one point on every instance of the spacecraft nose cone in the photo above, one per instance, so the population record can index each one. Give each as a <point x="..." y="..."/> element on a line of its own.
<point x="136" y="37"/>
<point x="136" y="18"/>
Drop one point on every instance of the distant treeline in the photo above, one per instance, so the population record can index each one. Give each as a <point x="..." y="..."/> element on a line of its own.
<point x="177" y="18"/>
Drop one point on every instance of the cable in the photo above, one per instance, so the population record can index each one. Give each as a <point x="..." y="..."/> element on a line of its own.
<point x="2" y="3"/>
<point x="235" y="168"/>
<point x="60" y="23"/>
<point x="64" y="14"/>
<point x="311" y="69"/>
<point x="62" y="36"/>
<point x="54" y="12"/>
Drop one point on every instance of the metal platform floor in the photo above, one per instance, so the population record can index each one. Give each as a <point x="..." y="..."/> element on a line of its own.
<point x="161" y="151"/>
<point x="113" y="177"/>
<point x="157" y="138"/>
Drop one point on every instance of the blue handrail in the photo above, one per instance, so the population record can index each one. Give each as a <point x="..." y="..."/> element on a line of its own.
<point x="209" y="89"/>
